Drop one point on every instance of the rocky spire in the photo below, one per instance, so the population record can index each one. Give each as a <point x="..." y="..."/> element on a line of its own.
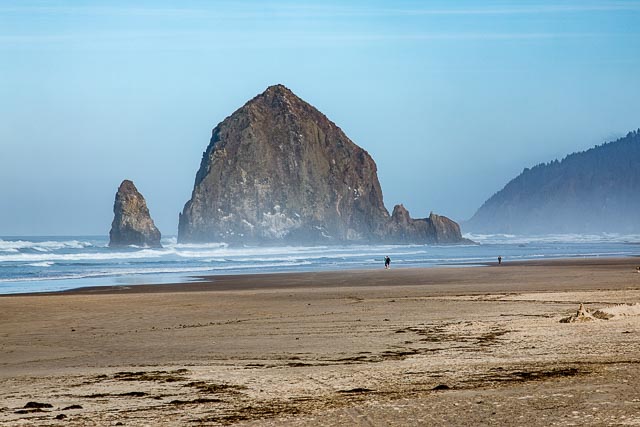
<point x="132" y="224"/>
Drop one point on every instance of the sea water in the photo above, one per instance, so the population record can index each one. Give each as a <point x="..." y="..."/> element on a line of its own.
<point x="44" y="264"/>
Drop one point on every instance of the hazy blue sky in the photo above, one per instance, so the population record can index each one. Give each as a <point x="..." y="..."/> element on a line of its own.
<point x="452" y="99"/>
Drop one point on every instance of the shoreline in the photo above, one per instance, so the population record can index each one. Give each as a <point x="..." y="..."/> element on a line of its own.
<point x="432" y="346"/>
<point x="415" y="276"/>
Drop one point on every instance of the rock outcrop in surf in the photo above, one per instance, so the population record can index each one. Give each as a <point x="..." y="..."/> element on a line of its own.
<point x="132" y="223"/>
<point x="278" y="170"/>
<point x="434" y="229"/>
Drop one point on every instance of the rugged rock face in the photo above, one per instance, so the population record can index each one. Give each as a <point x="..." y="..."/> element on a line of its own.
<point x="278" y="170"/>
<point x="434" y="229"/>
<point x="132" y="224"/>
<point x="445" y="230"/>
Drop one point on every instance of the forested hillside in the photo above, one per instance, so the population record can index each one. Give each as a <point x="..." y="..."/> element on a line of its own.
<point x="597" y="190"/>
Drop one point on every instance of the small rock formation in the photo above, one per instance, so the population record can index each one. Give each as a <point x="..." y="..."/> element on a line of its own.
<point x="434" y="229"/>
<point x="445" y="230"/>
<point x="279" y="171"/>
<point x="132" y="224"/>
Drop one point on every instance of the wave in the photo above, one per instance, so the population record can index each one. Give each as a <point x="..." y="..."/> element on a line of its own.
<point x="146" y="254"/>
<point x="143" y="271"/>
<point x="44" y="246"/>
<point x="552" y="238"/>
<point x="41" y="264"/>
<point x="80" y="256"/>
<point x="108" y="273"/>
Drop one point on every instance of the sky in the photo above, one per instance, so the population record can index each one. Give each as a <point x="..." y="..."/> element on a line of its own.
<point x="451" y="99"/>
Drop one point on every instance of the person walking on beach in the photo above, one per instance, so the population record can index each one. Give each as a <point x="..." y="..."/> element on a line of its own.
<point x="387" y="263"/>
<point x="499" y="259"/>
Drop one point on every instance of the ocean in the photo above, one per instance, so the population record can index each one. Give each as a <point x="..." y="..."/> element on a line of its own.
<point x="45" y="264"/>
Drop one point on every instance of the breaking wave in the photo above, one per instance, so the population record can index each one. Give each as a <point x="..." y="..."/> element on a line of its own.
<point x="553" y="238"/>
<point x="41" y="246"/>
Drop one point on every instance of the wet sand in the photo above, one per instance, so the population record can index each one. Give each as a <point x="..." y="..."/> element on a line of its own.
<point x="454" y="346"/>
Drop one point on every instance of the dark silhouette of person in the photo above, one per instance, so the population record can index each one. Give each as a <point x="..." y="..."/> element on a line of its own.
<point x="387" y="262"/>
<point x="499" y="260"/>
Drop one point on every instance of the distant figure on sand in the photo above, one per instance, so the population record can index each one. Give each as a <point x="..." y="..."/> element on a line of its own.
<point x="387" y="263"/>
<point x="499" y="260"/>
<point x="637" y="269"/>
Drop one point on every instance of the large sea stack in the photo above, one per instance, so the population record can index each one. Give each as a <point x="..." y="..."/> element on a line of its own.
<point x="132" y="224"/>
<point x="279" y="171"/>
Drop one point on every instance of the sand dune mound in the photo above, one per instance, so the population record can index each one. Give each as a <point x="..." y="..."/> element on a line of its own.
<point x="620" y="310"/>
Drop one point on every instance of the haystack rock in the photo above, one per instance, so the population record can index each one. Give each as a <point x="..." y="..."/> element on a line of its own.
<point x="278" y="171"/>
<point x="132" y="224"/>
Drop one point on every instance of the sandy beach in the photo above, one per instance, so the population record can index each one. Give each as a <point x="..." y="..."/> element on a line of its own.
<point x="437" y="346"/>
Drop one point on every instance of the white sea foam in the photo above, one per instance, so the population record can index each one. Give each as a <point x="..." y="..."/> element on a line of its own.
<point x="41" y="264"/>
<point x="115" y="272"/>
<point x="173" y="243"/>
<point x="159" y="270"/>
<point x="45" y="246"/>
<point x="553" y="238"/>
<point x="261" y="266"/>
<point x="171" y="240"/>
<point x="80" y="256"/>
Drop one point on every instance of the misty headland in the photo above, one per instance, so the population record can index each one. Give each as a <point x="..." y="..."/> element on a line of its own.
<point x="590" y="192"/>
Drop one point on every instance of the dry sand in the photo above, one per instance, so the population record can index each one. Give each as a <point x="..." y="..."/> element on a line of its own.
<point x="439" y="346"/>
